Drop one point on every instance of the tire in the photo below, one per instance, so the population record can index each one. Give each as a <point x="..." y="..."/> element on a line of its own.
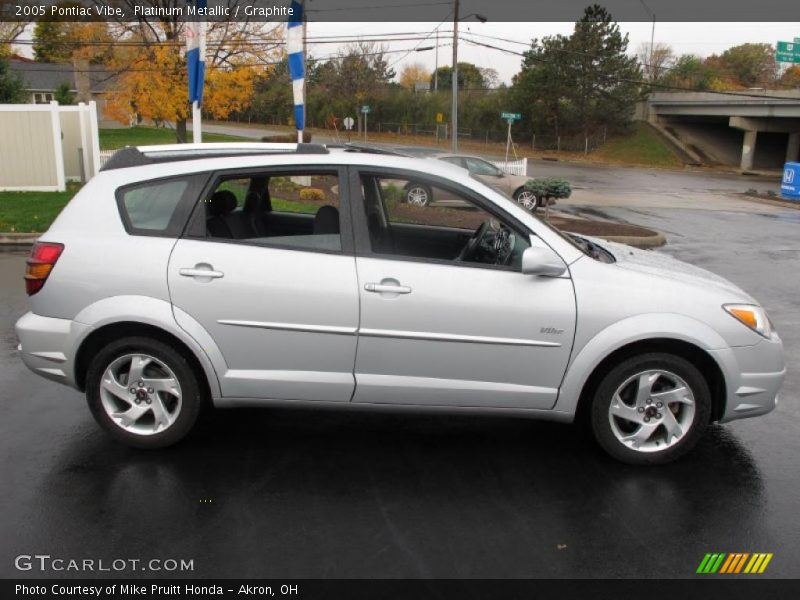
<point x="156" y="414"/>
<point x="526" y="199"/>
<point x="418" y="194"/>
<point x="653" y="421"/>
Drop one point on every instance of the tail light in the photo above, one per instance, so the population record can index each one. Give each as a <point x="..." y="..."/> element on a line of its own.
<point x="44" y="256"/>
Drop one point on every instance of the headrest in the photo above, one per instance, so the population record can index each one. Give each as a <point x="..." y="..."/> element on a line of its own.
<point x="221" y="203"/>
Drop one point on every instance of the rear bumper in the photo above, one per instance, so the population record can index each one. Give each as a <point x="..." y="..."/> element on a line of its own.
<point x="47" y="346"/>
<point x="753" y="378"/>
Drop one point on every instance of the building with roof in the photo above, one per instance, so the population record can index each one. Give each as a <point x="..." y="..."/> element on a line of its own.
<point x="87" y="82"/>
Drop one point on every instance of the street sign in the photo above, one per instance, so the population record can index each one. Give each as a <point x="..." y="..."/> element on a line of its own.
<point x="511" y="116"/>
<point x="788" y="48"/>
<point x="797" y="40"/>
<point x="365" y="109"/>
<point x="439" y="118"/>
<point x="348" y="122"/>
<point x="786" y="57"/>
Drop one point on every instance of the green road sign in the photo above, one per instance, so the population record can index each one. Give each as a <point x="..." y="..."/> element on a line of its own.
<point x="787" y="58"/>
<point x="365" y="109"/>
<point x="797" y="40"/>
<point x="511" y="116"/>
<point x="788" y="48"/>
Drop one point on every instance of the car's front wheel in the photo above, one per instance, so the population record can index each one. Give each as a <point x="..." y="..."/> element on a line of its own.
<point x="651" y="409"/>
<point x="527" y="199"/>
<point x="143" y="392"/>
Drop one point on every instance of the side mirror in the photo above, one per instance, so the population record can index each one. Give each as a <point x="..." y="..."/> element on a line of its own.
<point x="542" y="261"/>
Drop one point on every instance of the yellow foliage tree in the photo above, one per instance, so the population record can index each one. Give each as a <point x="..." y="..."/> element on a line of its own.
<point x="152" y="82"/>
<point x="413" y="74"/>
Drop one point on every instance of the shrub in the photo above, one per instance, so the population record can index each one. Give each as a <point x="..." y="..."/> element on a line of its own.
<point x="392" y="195"/>
<point x="312" y="195"/>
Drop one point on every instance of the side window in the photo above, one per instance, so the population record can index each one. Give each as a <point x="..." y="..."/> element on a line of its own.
<point x="157" y="207"/>
<point x="292" y="209"/>
<point x="480" y="167"/>
<point x="448" y="227"/>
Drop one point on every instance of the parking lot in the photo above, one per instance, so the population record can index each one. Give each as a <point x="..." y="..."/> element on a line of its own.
<point x="290" y="493"/>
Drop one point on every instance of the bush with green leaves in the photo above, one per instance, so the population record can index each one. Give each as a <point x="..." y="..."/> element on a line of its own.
<point x="545" y="188"/>
<point x="392" y="195"/>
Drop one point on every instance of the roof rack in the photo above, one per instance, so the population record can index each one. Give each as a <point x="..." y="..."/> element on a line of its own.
<point x="368" y="148"/>
<point x="137" y="156"/>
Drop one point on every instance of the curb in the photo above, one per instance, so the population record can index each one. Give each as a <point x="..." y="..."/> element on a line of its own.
<point x="651" y="241"/>
<point x="18" y="239"/>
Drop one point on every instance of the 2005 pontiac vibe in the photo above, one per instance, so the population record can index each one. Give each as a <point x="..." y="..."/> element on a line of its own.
<point x="182" y="277"/>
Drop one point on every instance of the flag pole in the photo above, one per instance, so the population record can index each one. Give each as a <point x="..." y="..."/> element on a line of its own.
<point x="197" y="119"/>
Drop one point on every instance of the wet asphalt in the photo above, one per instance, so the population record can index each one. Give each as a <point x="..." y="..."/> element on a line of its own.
<point x="283" y="493"/>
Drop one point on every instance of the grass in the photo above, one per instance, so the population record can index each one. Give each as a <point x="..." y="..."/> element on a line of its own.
<point x="32" y="212"/>
<point x="642" y="147"/>
<point x="112" y="139"/>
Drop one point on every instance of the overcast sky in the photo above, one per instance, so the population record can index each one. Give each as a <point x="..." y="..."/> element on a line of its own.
<point x="702" y="39"/>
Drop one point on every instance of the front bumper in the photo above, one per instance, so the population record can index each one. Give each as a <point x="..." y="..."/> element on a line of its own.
<point x="47" y="346"/>
<point x="753" y="378"/>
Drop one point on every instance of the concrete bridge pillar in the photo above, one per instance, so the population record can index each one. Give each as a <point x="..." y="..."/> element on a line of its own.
<point x="793" y="147"/>
<point x="748" y="150"/>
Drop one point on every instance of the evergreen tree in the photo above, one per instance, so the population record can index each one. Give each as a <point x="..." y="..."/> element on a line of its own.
<point x="12" y="89"/>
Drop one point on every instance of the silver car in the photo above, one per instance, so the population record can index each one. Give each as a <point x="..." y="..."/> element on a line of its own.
<point x="183" y="278"/>
<point x="421" y="194"/>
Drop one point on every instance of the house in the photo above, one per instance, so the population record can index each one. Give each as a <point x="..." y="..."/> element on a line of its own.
<point x="87" y="82"/>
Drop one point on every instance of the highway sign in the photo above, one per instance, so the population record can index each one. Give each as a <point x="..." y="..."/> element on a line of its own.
<point x="365" y="109"/>
<point x="511" y="116"/>
<point x="788" y="48"/>
<point x="786" y="57"/>
<point x="439" y="118"/>
<point x="348" y="122"/>
<point x="797" y="40"/>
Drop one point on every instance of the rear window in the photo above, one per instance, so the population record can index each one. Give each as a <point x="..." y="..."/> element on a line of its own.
<point x="156" y="207"/>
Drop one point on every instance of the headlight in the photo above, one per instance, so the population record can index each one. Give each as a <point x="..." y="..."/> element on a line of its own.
<point x="751" y="315"/>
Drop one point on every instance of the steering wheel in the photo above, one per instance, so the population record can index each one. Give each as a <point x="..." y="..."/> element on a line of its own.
<point x="471" y="247"/>
<point x="504" y="243"/>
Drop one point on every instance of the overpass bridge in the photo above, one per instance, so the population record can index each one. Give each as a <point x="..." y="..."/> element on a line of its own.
<point x="754" y="128"/>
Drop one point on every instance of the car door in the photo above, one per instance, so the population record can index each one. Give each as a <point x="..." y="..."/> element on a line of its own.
<point x="438" y="331"/>
<point x="282" y="308"/>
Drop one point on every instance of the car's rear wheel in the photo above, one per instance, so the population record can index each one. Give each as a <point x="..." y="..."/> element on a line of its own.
<point x="418" y="194"/>
<point x="143" y="392"/>
<point x="527" y="199"/>
<point x="651" y="409"/>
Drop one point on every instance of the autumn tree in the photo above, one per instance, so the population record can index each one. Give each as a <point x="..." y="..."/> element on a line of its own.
<point x="655" y="61"/>
<point x="413" y="74"/>
<point x="153" y="83"/>
<point x="791" y="77"/>
<point x="9" y="31"/>
<point x="745" y="65"/>
<point x="691" y="72"/>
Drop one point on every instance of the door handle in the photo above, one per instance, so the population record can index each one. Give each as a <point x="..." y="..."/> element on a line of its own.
<point x="383" y="288"/>
<point x="201" y="270"/>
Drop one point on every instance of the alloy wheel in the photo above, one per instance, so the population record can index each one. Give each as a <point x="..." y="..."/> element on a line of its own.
<point x="417" y="196"/>
<point x="651" y="411"/>
<point x="527" y="199"/>
<point x="140" y="394"/>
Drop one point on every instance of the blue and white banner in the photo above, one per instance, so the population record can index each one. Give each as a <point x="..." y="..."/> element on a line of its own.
<point x="294" y="49"/>
<point x="196" y="53"/>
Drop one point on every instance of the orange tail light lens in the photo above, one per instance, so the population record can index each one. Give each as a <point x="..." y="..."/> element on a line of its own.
<point x="43" y="258"/>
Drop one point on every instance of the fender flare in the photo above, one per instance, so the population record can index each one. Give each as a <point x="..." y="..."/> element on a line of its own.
<point x="639" y="328"/>
<point x="156" y="313"/>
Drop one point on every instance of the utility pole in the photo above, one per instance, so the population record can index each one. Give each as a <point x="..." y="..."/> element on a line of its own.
<point x="436" y="70"/>
<point x="454" y="113"/>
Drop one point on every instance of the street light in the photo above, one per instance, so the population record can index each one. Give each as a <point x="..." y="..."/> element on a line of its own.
<point x="454" y="110"/>
<point x="652" y="38"/>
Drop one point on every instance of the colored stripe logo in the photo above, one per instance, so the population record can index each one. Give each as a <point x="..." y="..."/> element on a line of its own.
<point x="734" y="563"/>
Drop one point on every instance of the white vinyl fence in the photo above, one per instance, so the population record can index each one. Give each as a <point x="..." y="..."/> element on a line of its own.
<point x="513" y="167"/>
<point x="45" y="145"/>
